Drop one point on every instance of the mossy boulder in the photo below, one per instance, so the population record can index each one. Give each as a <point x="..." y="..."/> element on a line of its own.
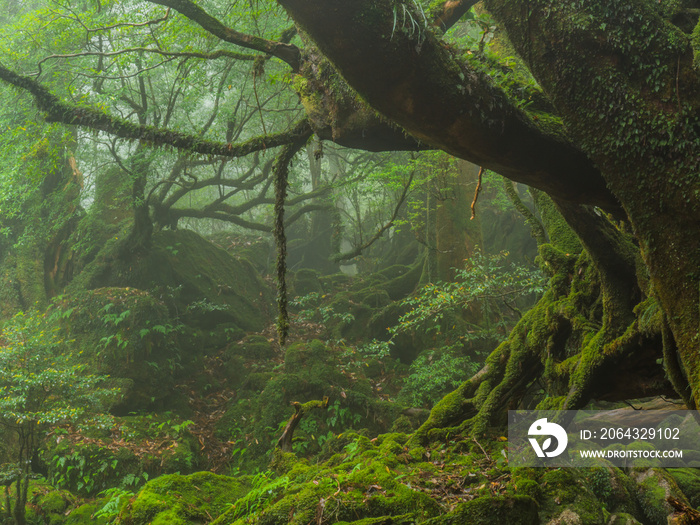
<point x="688" y="480"/>
<point x="304" y="282"/>
<point x="259" y="250"/>
<point x="206" y="285"/>
<point x="84" y="514"/>
<point x="654" y="486"/>
<point x="184" y="500"/>
<point x="255" y="347"/>
<point x="310" y="371"/>
<point x="203" y="285"/>
<point x="566" y="495"/>
<point x="335" y="282"/>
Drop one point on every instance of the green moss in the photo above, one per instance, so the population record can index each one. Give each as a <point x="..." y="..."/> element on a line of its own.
<point x="300" y="355"/>
<point x="54" y="502"/>
<point x="551" y="403"/>
<point x="688" y="480"/>
<point x="255" y="347"/>
<point x="528" y="487"/>
<point x="568" y="491"/>
<point x="653" y="487"/>
<point x="622" y="519"/>
<point x="176" y="499"/>
<point x="405" y="519"/>
<point x="515" y="510"/>
<point x="695" y="40"/>
<point x="560" y="234"/>
<point x="85" y="515"/>
<point x="304" y="282"/>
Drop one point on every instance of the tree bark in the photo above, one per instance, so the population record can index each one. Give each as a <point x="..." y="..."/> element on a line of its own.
<point x="630" y="96"/>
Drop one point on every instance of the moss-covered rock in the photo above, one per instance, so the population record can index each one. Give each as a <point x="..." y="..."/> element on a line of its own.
<point x="207" y="285"/>
<point x="567" y="497"/>
<point x="304" y="282"/>
<point x="184" y="500"/>
<point x="688" y="480"/>
<point x="654" y="486"/>
<point x="255" y="347"/>
<point x="202" y="284"/>
<point x="623" y="519"/>
<point x="514" y="510"/>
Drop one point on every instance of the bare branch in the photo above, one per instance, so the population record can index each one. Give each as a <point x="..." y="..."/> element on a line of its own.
<point x="286" y="52"/>
<point x="357" y="251"/>
<point x="205" y="56"/>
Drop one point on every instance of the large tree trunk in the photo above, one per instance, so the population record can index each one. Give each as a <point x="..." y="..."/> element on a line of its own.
<point x="638" y="121"/>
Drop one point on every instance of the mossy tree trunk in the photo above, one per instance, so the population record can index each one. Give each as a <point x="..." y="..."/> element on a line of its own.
<point x="638" y="123"/>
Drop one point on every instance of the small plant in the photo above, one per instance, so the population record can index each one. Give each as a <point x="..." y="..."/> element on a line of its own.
<point x="116" y="498"/>
<point x="313" y="311"/>
<point x="265" y="488"/>
<point x="417" y="27"/>
<point x="488" y="283"/>
<point x="173" y="250"/>
<point x="341" y="417"/>
<point x="432" y="376"/>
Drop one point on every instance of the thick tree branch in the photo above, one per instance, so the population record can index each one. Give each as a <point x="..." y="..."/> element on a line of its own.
<point x="414" y="80"/>
<point x="286" y="52"/>
<point x="58" y="110"/>
<point x="285" y="440"/>
<point x="449" y="13"/>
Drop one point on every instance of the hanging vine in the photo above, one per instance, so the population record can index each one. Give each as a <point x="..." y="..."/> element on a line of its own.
<point x="281" y="184"/>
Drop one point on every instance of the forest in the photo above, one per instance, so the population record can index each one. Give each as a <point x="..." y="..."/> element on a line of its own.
<point x="294" y="261"/>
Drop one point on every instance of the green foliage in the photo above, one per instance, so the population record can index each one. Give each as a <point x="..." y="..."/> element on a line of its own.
<point x="266" y="486"/>
<point x="460" y="319"/>
<point x="410" y="18"/>
<point x="41" y="385"/>
<point x="487" y="282"/>
<point x="312" y="310"/>
<point x="125" y="454"/>
<point x="40" y="382"/>
<point x="434" y="374"/>
<point x="116" y="499"/>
